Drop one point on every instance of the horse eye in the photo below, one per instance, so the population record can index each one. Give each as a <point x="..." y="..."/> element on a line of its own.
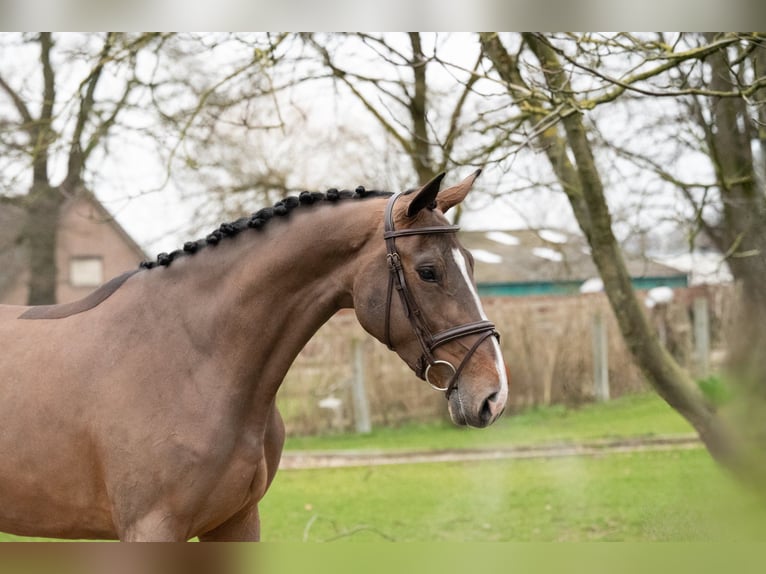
<point x="428" y="274"/>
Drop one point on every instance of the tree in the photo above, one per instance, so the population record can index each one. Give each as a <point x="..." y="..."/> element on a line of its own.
<point x="425" y="121"/>
<point x="70" y="123"/>
<point x="555" y="87"/>
<point x="539" y="79"/>
<point x="178" y="93"/>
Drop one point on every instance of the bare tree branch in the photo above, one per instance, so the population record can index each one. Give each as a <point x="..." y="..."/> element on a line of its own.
<point x="18" y="102"/>
<point x="77" y="156"/>
<point x="342" y="76"/>
<point x="671" y="61"/>
<point x="420" y="144"/>
<point x="457" y="112"/>
<point x="43" y="129"/>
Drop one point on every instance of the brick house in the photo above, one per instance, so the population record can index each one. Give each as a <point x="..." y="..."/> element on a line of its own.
<point x="91" y="249"/>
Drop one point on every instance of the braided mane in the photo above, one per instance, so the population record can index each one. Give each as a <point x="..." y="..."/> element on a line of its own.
<point x="259" y="219"/>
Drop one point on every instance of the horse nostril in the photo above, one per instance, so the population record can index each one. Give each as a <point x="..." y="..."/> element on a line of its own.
<point x="487" y="412"/>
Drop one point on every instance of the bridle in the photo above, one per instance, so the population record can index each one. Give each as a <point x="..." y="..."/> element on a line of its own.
<point x="428" y="341"/>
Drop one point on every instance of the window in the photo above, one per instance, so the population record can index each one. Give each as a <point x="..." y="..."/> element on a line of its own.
<point x="86" y="271"/>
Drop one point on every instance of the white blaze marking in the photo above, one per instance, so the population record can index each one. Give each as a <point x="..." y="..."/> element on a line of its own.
<point x="463" y="266"/>
<point x="499" y="366"/>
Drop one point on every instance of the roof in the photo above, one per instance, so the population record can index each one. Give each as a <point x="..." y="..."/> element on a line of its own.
<point x="704" y="266"/>
<point x="106" y="217"/>
<point x="543" y="255"/>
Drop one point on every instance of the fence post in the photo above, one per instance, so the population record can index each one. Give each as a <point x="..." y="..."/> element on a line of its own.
<point x="702" y="336"/>
<point x="600" y="358"/>
<point x="362" y="422"/>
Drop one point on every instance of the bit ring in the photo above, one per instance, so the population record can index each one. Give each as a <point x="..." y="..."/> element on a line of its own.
<point x="440" y="362"/>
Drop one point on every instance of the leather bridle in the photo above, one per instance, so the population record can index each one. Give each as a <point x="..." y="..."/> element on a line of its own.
<point x="428" y="341"/>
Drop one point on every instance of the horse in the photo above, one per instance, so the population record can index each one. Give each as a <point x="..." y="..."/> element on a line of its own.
<point x="146" y="411"/>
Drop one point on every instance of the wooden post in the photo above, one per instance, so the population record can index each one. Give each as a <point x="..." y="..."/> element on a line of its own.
<point x="702" y="337"/>
<point x="600" y="358"/>
<point x="362" y="422"/>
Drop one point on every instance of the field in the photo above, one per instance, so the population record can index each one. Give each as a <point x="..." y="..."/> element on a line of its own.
<point x="678" y="495"/>
<point x="642" y="415"/>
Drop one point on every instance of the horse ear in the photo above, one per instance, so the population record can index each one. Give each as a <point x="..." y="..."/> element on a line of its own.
<point x="451" y="196"/>
<point x="425" y="196"/>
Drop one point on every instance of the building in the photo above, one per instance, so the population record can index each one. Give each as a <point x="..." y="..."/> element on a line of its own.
<point x="547" y="262"/>
<point x="91" y="248"/>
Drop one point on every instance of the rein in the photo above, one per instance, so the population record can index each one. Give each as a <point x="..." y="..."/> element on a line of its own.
<point x="428" y="341"/>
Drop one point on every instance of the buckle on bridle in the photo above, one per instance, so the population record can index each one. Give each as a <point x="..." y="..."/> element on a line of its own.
<point x="394" y="261"/>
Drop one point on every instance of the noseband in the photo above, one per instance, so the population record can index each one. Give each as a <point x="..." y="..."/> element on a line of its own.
<point x="428" y="341"/>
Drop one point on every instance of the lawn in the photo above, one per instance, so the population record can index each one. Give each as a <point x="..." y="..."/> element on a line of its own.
<point x="642" y="415"/>
<point x="646" y="496"/>
<point x="642" y="496"/>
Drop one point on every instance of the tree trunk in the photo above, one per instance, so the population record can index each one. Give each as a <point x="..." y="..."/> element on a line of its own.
<point x="43" y="202"/>
<point x="43" y="206"/>
<point x="741" y="232"/>
<point x="421" y="150"/>
<point x="581" y="182"/>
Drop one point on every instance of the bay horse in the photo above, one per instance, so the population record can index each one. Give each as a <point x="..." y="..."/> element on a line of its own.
<point x="146" y="411"/>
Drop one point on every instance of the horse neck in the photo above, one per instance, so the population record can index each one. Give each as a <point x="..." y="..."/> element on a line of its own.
<point x="257" y="299"/>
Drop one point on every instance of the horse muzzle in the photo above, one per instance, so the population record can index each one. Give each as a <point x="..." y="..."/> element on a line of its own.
<point x="476" y="409"/>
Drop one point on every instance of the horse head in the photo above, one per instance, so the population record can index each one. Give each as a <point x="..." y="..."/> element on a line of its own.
<point x="417" y="295"/>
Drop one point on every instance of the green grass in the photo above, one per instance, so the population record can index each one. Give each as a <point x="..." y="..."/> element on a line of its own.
<point x="629" y="416"/>
<point x="649" y="496"/>
<point x="676" y="495"/>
